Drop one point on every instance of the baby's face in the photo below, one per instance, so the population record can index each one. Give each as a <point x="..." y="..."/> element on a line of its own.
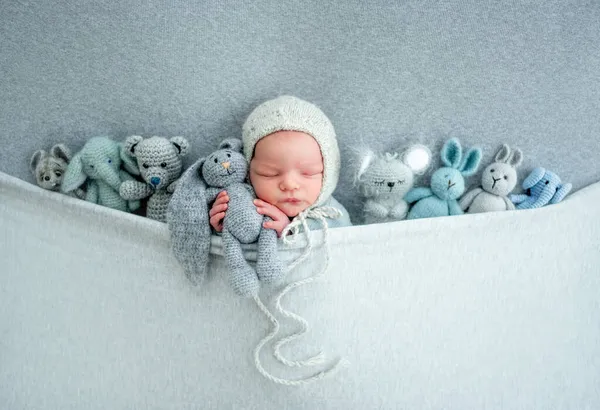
<point x="287" y="171"/>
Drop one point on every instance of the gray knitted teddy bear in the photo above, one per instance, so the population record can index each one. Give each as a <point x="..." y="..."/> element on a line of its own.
<point x="226" y="169"/>
<point x="497" y="181"/>
<point x="159" y="161"/>
<point x="48" y="168"/>
<point x="384" y="180"/>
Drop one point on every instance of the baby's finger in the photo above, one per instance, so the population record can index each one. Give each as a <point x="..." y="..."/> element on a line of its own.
<point x="217" y="209"/>
<point x="222" y="200"/>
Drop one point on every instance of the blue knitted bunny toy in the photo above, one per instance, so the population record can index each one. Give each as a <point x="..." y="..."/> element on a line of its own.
<point x="543" y="188"/>
<point x="447" y="183"/>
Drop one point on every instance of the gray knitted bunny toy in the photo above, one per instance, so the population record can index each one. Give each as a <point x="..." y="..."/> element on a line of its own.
<point x="159" y="161"/>
<point x="48" y="168"/>
<point x="226" y="169"/>
<point x="384" y="180"/>
<point x="497" y="181"/>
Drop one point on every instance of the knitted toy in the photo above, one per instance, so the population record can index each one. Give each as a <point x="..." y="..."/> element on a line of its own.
<point x="226" y="169"/>
<point x="543" y="188"/>
<point x="384" y="180"/>
<point x="447" y="183"/>
<point x="48" y="168"/>
<point x="497" y="181"/>
<point x="99" y="164"/>
<point x="159" y="162"/>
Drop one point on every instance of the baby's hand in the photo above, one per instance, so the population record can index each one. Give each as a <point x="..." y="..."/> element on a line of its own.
<point x="217" y="212"/>
<point x="279" y="219"/>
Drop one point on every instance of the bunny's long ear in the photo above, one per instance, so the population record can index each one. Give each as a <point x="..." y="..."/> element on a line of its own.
<point x="516" y="158"/>
<point x="74" y="176"/>
<point x="471" y="162"/>
<point x="61" y="151"/>
<point x="36" y="158"/>
<point x="536" y="175"/>
<point x="200" y="164"/>
<point x="503" y="154"/>
<point x="234" y="144"/>
<point x="452" y="153"/>
<point x="417" y="158"/>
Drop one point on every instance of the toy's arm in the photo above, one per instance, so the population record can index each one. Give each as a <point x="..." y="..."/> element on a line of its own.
<point x="400" y="210"/>
<point x="468" y="198"/>
<point x="374" y="209"/>
<point x="92" y="193"/>
<point x="518" y="198"/>
<point x="125" y="176"/>
<point x="509" y="205"/>
<point x="416" y="194"/>
<point x="172" y="186"/>
<point x="562" y="192"/>
<point x="132" y="190"/>
<point x="454" y="208"/>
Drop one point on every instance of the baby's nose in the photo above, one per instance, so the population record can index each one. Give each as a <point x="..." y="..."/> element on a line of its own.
<point x="391" y="184"/>
<point x="226" y="165"/>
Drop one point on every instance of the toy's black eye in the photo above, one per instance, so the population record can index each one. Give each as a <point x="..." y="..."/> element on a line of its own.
<point x="145" y="165"/>
<point x="91" y="166"/>
<point x="400" y="181"/>
<point x="216" y="160"/>
<point x="58" y="173"/>
<point x="492" y="170"/>
<point x="163" y="164"/>
<point x="47" y="178"/>
<point x="110" y="161"/>
<point x="505" y="177"/>
<point x="547" y="182"/>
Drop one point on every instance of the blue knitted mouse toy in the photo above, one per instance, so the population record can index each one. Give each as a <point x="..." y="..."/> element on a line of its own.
<point x="447" y="183"/>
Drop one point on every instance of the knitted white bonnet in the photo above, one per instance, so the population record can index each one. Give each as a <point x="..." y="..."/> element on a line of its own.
<point x="288" y="113"/>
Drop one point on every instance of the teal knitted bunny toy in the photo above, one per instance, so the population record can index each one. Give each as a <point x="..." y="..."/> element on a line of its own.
<point x="226" y="169"/>
<point x="159" y="162"/>
<point x="99" y="164"/>
<point x="447" y="183"/>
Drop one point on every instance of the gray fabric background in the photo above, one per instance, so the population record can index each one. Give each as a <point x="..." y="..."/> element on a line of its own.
<point x="522" y="72"/>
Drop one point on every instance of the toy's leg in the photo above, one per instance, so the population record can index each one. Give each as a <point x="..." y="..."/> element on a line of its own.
<point x="242" y="277"/>
<point x="268" y="265"/>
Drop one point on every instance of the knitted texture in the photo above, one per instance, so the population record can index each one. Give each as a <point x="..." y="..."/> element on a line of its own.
<point x="384" y="180"/>
<point x="99" y="164"/>
<point x="187" y="218"/>
<point x="226" y="169"/>
<point x="159" y="161"/>
<point x="497" y="181"/>
<point x="447" y="183"/>
<point x="49" y="168"/>
<point x="289" y="113"/>
<point x="543" y="187"/>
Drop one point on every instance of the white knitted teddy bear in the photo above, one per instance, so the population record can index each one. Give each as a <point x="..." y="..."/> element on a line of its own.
<point x="160" y="164"/>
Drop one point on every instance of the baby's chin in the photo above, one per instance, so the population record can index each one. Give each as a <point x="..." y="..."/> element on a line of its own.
<point x="292" y="210"/>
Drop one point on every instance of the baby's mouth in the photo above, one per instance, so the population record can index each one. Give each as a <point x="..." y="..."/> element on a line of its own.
<point x="291" y="201"/>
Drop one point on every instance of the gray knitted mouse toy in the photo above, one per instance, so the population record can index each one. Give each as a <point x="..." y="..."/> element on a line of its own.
<point x="48" y="168"/>
<point x="159" y="161"/>
<point x="226" y="169"/>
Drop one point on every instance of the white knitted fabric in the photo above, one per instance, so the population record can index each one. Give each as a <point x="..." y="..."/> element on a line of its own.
<point x="288" y="113"/>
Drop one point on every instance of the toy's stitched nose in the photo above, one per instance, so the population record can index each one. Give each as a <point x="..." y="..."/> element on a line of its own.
<point x="391" y="184"/>
<point x="226" y="165"/>
<point x="155" y="181"/>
